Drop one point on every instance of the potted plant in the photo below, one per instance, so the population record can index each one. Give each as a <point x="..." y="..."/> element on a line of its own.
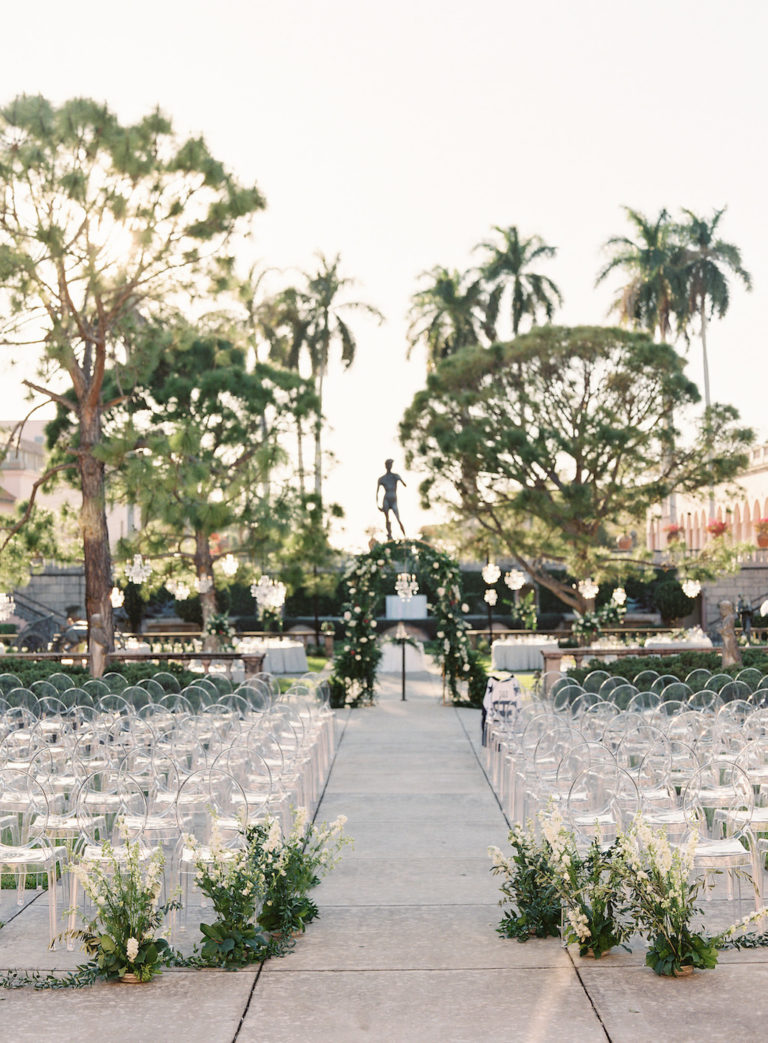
<point x="717" y="528"/>
<point x="675" y="533"/>
<point x="761" y="528"/>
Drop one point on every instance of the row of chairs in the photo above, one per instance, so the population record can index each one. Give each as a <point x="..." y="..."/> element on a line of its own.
<point x="153" y="770"/>
<point x="698" y="770"/>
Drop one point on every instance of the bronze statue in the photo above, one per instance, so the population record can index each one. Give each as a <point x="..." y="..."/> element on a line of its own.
<point x="388" y="482"/>
<point x="726" y="626"/>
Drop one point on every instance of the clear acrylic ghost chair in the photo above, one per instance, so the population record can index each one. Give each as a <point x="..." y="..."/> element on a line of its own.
<point x="602" y="801"/>
<point x="24" y="844"/>
<point x="212" y="810"/>
<point x="718" y="804"/>
<point x="110" y="806"/>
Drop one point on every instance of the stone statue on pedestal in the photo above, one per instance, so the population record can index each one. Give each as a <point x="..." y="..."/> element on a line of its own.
<point x="727" y="627"/>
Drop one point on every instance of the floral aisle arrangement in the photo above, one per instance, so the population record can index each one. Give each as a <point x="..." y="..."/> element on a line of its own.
<point x="260" y="890"/>
<point x="122" y="934"/>
<point x="642" y="885"/>
<point x="662" y="899"/>
<point x="224" y="876"/>
<point x="594" y="917"/>
<point x="286" y="869"/>
<point x="534" y="905"/>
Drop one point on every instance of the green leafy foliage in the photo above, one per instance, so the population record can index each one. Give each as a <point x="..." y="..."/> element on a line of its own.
<point x="550" y="445"/>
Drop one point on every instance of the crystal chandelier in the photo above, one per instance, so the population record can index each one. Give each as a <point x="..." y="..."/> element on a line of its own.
<point x="588" y="588"/>
<point x="138" y="570"/>
<point x="691" y="588"/>
<point x="514" y="579"/>
<point x="269" y="593"/>
<point x="178" y="588"/>
<point x="491" y="597"/>
<point x="491" y="572"/>
<point x="406" y="586"/>
<point x="619" y="596"/>
<point x="203" y="584"/>
<point x="116" y="597"/>
<point x="7" y="606"/>
<point x="229" y="565"/>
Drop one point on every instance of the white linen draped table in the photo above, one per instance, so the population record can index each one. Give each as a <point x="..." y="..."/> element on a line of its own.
<point x="280" y="657"/>
<point x="662" y="642"/>
<point x="520" y="653"/>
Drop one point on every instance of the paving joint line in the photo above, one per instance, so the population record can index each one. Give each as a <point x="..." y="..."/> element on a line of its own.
<point x="248" y="1003"/>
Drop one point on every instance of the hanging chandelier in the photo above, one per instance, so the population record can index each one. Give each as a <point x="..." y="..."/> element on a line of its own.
<point x="138" y="570"/>
<point x="229" y="565"/>
<point x="691" y="588"/>
<point x="406" y="586"/>
<point x="491" y="573"/>
<point x="588" y="588"/>
<point x="619" y="596"/>
<point x="178" y="588"/>
<point x="116" y="597"/>
<point x="269" y="593"/>
<point x="203" y="584"/>
<point x="515" y="579"/>
<point x="7" y="606"/>
<point x="491" y="597"/>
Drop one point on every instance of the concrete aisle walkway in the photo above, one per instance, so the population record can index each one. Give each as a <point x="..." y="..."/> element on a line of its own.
<point x="404" y="950"/>
<point x="405" y="947"/>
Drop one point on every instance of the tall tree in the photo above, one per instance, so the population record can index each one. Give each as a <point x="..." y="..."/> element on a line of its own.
<point x="551" y="468"/>
<point x="208" y="429"/>
<point x="507" y="269"/>
<point x="100" y="225"/>
<point x="314" y="318"/>
<point x="647" y="300"/>
<point x="448" y="314"/>
<point x="705" y="263"/>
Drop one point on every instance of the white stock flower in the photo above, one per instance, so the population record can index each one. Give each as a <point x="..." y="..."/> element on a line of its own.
<point x="132" y="949"/>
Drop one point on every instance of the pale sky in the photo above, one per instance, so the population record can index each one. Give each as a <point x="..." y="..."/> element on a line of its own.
<point x="397" y="134"/>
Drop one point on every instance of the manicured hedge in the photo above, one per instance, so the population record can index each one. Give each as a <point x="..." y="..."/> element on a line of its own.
<point x="28" y="670"/>
<point x="677" y="665"/>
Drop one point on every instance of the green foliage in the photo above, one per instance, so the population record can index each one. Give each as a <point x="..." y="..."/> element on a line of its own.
<point x="498" y="428"/>
<point x="370" y="576"/>
<point x="120" y="935"/>
<point x="670" y="601"/>
<point x="103" y="228"/>
<point x="678" y="666"/>
<point x="533" y="900"/>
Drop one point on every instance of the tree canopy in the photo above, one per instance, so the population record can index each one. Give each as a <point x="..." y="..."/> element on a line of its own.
<point x="101" y="224"/>
<point x="198" y="451"/>
<point x="552" y="444"/>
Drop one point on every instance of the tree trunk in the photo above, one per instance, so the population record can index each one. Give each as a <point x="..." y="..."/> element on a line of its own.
<point x="203" y="571"/>
<point x="300" y="455"/>
<point x="96" y="552"/>
<point x="319" y="440"/>
<point x="707" y="396"/>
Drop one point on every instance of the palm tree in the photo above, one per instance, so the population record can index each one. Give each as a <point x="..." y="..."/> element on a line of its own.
<point x="447" y="315"/>
<point x="319" y="307"/>
<point x="649" y="298"/>
<point x="705" y="262"/>
<point x="507" y="269"/>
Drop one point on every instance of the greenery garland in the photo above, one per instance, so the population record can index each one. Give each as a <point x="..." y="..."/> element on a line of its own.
<point x="368" y="579"/>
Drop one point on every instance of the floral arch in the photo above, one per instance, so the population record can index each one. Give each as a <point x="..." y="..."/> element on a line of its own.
<point x="370" y="577"/>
